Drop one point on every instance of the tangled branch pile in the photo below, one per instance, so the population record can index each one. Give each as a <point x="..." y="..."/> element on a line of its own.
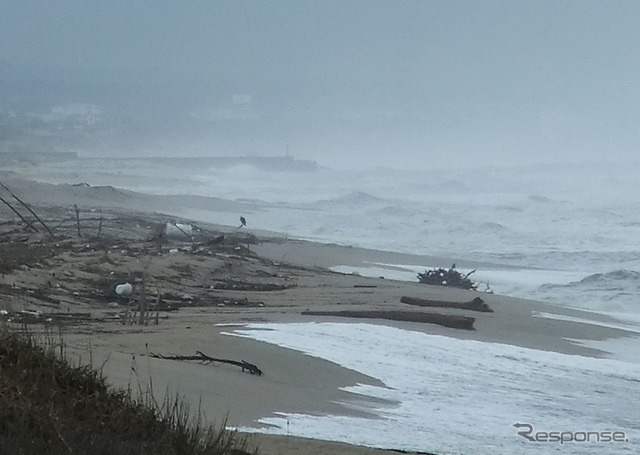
<point x="451" y="278"/>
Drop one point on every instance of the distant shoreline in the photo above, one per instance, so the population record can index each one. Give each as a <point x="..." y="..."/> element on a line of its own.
<point x="271" y="162"/>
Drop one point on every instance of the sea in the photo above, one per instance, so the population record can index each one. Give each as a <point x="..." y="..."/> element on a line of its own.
<point x="564" y="233"/>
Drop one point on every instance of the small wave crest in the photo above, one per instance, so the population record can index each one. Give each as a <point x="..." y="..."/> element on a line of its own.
<point x="539" y="199"/>
<point x="614" y="291"/>
<point x="352" y="198"/>
<point x="618" y="279"/>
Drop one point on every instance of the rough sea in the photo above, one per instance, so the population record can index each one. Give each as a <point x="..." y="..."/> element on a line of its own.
<point x="564" y="234"/>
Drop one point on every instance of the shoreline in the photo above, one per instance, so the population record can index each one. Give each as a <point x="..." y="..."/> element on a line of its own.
<point x="294" y="382"/>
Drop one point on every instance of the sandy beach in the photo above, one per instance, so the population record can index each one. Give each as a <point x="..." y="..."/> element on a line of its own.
<point x="221" y="279"/>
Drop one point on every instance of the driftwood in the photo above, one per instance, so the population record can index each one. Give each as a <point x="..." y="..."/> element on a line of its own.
<point x="27" y="222"/>
<point x="203" y="358"/>
<point x="476" y="304"/>
<point x="36" y="317"/>
<point x="451" y="278"/>
<point x="77" y="219"/>
<point x="446" y="320"/>
<point x="231" y="285"/>
<point x="24" y="204"/>
<point x="216" y="240"/>
<point x="100" y="225"/>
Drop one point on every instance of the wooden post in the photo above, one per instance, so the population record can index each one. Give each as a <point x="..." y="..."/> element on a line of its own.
<point x="158" y="307"/>
<point x="100" y="225"/>
<point x="143" y="303"/>
<point x="78" y="219"/>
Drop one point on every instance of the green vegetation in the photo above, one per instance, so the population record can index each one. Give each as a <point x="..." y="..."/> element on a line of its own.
<point x="48" y="406"/>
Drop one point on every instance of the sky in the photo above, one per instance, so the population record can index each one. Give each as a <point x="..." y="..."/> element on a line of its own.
<point x="357" y="82"/>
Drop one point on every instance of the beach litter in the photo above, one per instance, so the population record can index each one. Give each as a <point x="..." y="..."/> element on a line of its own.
<point x="124" y="290"/>
<point x="178" y="230"/>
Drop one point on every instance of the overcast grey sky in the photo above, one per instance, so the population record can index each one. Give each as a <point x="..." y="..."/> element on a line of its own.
<point x="485" y="82"/>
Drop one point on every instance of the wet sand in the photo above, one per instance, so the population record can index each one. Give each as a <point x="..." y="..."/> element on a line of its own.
<point x="210" y="285"/>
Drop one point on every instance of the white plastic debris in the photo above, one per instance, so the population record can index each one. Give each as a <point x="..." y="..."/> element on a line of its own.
<point x="124" y="290"/>
<point x="178" y="230"/>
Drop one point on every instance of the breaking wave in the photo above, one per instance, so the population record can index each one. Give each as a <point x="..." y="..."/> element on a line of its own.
<point x="611" y="292"/>
<point x="617" y="280"/>
<point x="353" y="198"/>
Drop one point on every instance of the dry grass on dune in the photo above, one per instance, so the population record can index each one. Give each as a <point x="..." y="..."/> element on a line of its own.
<point x="48" y="406"/>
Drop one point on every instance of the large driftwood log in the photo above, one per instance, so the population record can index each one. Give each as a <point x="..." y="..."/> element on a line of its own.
<point x="446" y="320"/>
<point x="201" y="357"/>
<point x="476" y="304"/>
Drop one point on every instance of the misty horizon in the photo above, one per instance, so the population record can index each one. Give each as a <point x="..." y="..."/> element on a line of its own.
<point x="355" y="83"/>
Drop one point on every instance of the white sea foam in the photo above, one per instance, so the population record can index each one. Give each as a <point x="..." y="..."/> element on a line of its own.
<point x="550" y="230"/>
<point x="563" y="317"/>
<point x="559" y="228"/>
<point x="572" y="235"/>
<point x="619" y="348"/>
<point x="564" y="238"/>
<point x="462" y="396"/>
<point x="510" y="281"/>
<point x="569" y="238"/>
